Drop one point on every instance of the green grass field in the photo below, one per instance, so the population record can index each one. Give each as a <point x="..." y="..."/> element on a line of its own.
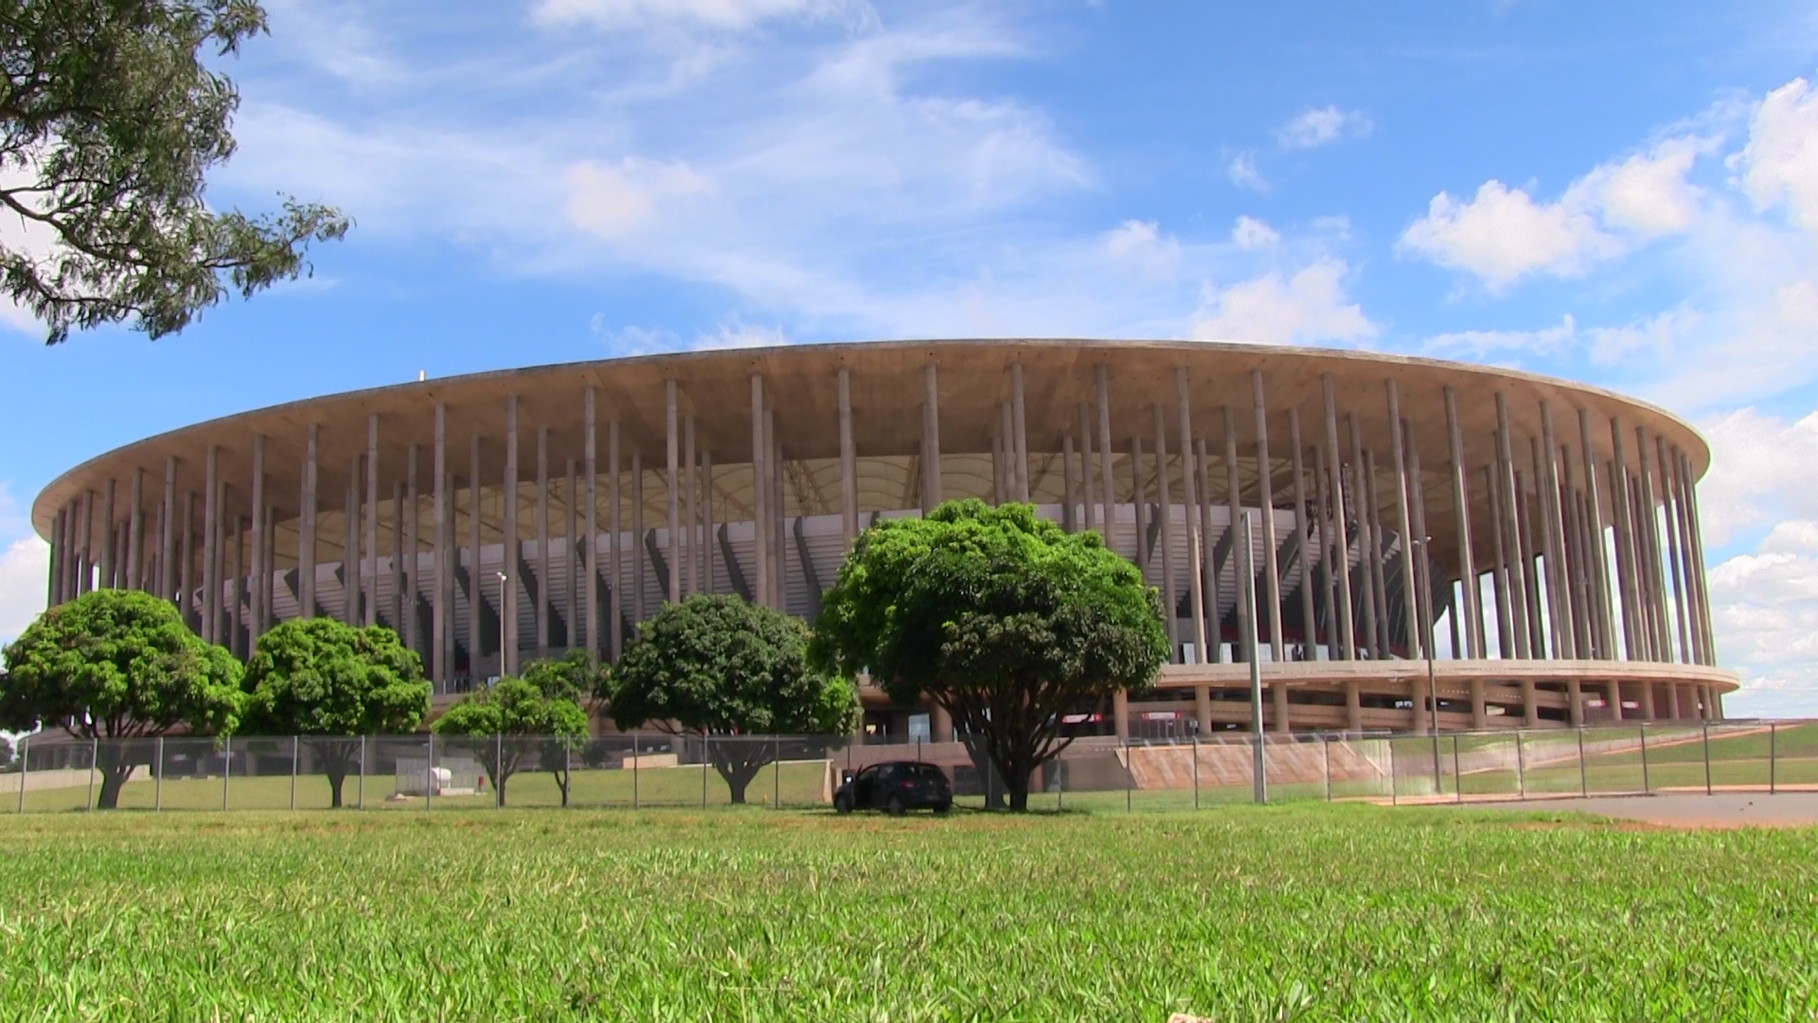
<point x="1306" y="912"/>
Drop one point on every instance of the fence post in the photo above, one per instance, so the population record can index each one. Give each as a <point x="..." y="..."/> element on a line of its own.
<point x="1129" y="778"/>
<point x="362" y="788"/>
<point x="567" y="768"/>
<point x="1326" y="759"/>
<point x="1584" y="784"/>
<point x="227" y="772"/>
<point x="1773" y="751"/>
<point x="1521" y="774"/>
<point x="429" y="775"/>
<point x="25" y="764"/>
<point x="1393" y="795"/>
<point x="706" y="755"/>
<point x="158" y="776"/>
<point x="1196" y="772"/>
<point x="1439" y="784"/>
<point x="94" y="760"/>
<point x="1457" y="774"/>
<point x="634" y="772"/>
<point x="1647" y="782"/>
<point x="295" y="743"/>
<point x="776" y="774"/>
<point x="498" y="767"/>
<point x="1707" y="756"/>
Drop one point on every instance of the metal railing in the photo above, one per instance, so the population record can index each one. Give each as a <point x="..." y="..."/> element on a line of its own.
<point x="51" y="772"/>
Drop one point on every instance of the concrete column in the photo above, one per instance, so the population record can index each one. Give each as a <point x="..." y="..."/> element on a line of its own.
<point x="1086" y="498"/>
<point x="672" y="492"/>
<point x="709" y="542"/>
<point x="371" y="509"/>
<point x="1120" y="714"/>
<point x="1000" y="459"/>
<point x="1575" y="701"/>
<point x="1309" y="626"/>
<point x="1190" y="499"/>
<point x="572" y="571"/>
<point x="1108" y="512"/>
<point x="1562" y="610"/>
<point x="54" y="592"/>
<point x="1353" y="707"/>
<point x="931" y="439"/>
<point x="1202" y="462"/>
<point x="1363" y="475"/>
<point x="1265" y="484"/>
<point x="1602" y="617"/>
<point x="1410" y="589"/>
<point x="691" y="537"/>
<point x="1615" y="699"/>
<point x="1424" y="586"/>
<point x="413" y="575"/>
<point x="638" y="558"/>
<point x="1695" y="547"/>
<point x="1021" y="434"/>
<point x="1669" y="499"/>
<point x="940" y="724"/>
<point x="350" y="546"/>
<point x="401" y="607"/>
<point x="1663" y="644"/>
<point x="1480" y="714"/>
<point x="779" y="540"/>
<point x="760" y="488"/>
<point x="1329" y="534"/>
<point x="848" y="465"/>
<point x="1499" y="575"/>
<point x="1139" y="497"/>
<point x="545" y="580"/>
<point x="135" y="532"/>
<point x="107" y="530"/>
<point x="1340" y="571"/>
<point x="1171" y="598"/>
<point x="211" y="545"/>
<point x="442" y="607"/>
<point x="186" y="582"/>
<point x="237" y="620"/>
<point x="590" y="542"/>
<point x="306" y="526"/>
<point x="1202" y="708"/>
<point x="261" y="608"/>
<point x="1068" y="519"/>
<point x="1278" y="702"/>
<point x="167" y="534"/>
<point x="1674" y="711"/>
<point x="1516" y="567"/>
<point x="1625" y="559"/>
<point x="478" y="636"/>
<point x="1530" y="707"/>
<point x="1525" y="546"/>
<point x="511" y="548"/>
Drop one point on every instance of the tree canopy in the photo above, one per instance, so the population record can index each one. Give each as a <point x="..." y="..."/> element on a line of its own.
<point x="1003" y="618"/>
<point x="117" y="664"/>
<point x="717" y="665"/>
<point x="323" y="678"/>
<point x="577" y="675"/>
<point x="110" y="117"/>
<point x="510" y="709"/>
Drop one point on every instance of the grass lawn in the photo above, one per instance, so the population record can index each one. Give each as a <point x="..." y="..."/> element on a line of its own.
<point x="1309" y="912"/>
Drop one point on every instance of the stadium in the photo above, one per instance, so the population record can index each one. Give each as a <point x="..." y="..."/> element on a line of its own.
<point x="1436" y="546"/>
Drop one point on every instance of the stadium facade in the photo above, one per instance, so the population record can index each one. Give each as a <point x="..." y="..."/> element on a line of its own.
<point x="1435" y="545"/>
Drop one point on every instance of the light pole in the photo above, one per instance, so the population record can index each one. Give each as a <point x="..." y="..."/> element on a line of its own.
<point x="1426" y="644"/>
<point x="1259" y="779"/>
<point x="503" y="581"/>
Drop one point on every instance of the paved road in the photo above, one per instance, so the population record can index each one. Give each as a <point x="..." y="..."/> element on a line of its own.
<point x="1677" y="810"/>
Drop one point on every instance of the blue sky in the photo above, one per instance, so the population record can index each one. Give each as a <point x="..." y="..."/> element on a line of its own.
<point x="1623" y="193"/>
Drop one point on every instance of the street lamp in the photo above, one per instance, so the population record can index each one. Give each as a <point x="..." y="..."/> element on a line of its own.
<point x="503" y="580"/>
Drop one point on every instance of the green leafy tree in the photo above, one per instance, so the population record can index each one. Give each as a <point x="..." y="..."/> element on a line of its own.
<point x="7" y="763"/>
<point x="578" y="676"/>
<point x="719" y="665"/>
<point x="111" y="117"/>
<point x="114" y="665"/>
<point x="332" y="682"/>
<point x="506" y="712"/>
<point x="1003" y="618"/>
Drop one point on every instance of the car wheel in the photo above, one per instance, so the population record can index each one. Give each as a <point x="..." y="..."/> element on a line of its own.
<point x="842" y="804"/>
<point x="942" y="808"/>
<point x="894" y="807"/>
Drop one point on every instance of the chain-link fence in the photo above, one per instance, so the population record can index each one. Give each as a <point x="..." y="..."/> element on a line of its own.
<point x="51" y="772"/>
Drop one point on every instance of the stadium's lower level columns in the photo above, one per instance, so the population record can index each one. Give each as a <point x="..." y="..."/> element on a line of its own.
<point x="1433" y="545"/>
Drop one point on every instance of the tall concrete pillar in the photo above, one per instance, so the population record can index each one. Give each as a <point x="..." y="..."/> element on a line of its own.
<point x="672" y="492"/>
<point x="371" y="510"/>
<point x="1120" y="714"/>
<point x="510" y="546"/>
<point x="107" y="530"/>
<point x="691" y="536"/>
<point x="306" y="526"/>
<point x="1309" y="627"/>
<point x="1020" y="434"/>
<point x="351" y="563"/>
<point x="1190" y="501"/>
<point x="413" y="574"/>
<point x="211" y="546"/>
<point x="1530" y="705"/>
<point x="261" y="606"/>
<point x="638" y="558"/>
<point x="1613" y="694"/>
<point x="478" y="636"/>
<point x="1087" y="498"/>
<point x="1278" y="702"/>
<point x="1575" y="701"/>
<point x="545" y="560"/>
<point x="931" y="439"/>
<point x="1353" y="707"/>
<point x="135" y="533"/>
<point x="1340" y="572"/>
<point x="1404" y="521"/>
<point x="1106" y="481"/>
<point x="848" y="465"/>
<point x="760" y="489"/>
<point x="442" y="606"/>
<point x="1171" y="598"/>
<point x="1265" y="486"/>
<point x="167" y="534"/>
<point x="1517" y="567"/>
<point x="709" y="543"/>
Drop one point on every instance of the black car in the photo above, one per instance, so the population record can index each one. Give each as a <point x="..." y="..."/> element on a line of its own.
<point x="895" y="786"/>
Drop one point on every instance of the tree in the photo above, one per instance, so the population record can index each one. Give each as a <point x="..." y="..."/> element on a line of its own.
<point x="513" y="707"/>
<point x="719" y="665"/>
<point x="110" y="119"/>
<point x="577" y="676"/>
<point x="1004" y="619"/>
<point x="6" y="756"/>
<point x="114" y="665"/>
<point x="333" y="682"/>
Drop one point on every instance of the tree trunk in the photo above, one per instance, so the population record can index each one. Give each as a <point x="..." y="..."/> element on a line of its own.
<point x="498" y="789"/>
<point x="113" y="779"/>
<point x="561" y="780"/>
<point x="335" y="777"/>
<point x="740" y="767"/>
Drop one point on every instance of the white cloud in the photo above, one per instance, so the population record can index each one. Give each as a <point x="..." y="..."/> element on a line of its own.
<point x="1251" y="233"/>
<point x="1308" y="307"/>
<point x="1780" y="163"/>
<point x="1141" y="242"/>
<point x="1502" y="235"/>
<point x="615" y="200"/>
<point x="1241" y="169"/>
<point x="1498" y="344"/>
<point x="24" y="568"/>
<point x="1749" y="484"/>
<point x="1319" y="126"/>
<point x="635" y="340"/>
<point x="726" y="15"/>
